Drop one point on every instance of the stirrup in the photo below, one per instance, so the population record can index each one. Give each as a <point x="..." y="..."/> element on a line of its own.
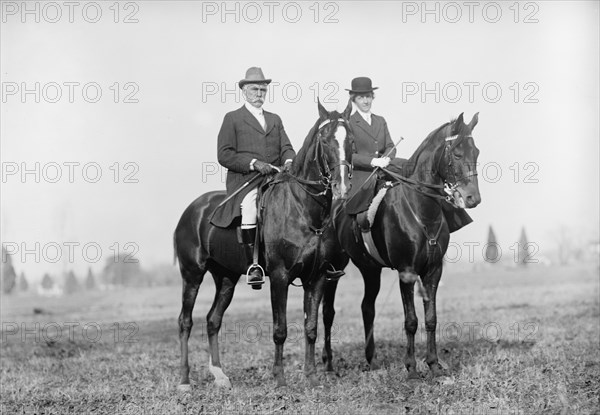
<point x="333" y="274"/>
<point x="255" y="282"/>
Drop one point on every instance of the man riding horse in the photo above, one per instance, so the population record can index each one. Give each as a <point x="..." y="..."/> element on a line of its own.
<point x="251" y="142"/>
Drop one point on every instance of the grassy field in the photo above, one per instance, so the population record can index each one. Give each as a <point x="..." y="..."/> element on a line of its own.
<point x="513" y="342"/>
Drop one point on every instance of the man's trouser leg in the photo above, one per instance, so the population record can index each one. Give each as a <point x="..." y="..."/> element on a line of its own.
<point x="249" y="215"/>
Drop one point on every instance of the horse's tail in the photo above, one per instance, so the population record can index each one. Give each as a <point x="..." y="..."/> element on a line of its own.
<point x="174" y="250"/>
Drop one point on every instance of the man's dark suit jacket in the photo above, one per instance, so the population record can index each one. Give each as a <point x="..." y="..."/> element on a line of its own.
<point x="240" y="140"/>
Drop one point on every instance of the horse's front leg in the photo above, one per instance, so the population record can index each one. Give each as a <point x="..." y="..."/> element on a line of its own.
<point x="411" y="323"/>
<point x="431" y="284"/>
<point x="328" y="316"/>
<point x="279" y="297"/>
<point x="313" y="294"/>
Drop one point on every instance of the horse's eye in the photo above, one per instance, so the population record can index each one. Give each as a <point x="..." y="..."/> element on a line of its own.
<point x="457" y="156"/>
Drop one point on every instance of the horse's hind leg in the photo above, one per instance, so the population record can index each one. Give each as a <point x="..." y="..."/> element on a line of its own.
<point x="411" y="323"/>
<point x="431" y="283"/>
<point x="372" y="280"/>
<point x="223" y="295"/>
<point x="328" y="316"/>
<point x="312" y="298"/>
<point x="191" y="283"/>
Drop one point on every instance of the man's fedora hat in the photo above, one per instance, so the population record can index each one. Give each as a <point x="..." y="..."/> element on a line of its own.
<point x="254" y="75"/>
<point x="361" y="85"/>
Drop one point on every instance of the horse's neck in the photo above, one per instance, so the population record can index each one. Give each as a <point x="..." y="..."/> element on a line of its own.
<point x="425" y="163"/>
<point x="309" y="171"/>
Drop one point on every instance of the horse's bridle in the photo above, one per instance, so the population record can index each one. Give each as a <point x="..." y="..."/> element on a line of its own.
<point x="321" y="158"/>
<point x="450" y="144"/>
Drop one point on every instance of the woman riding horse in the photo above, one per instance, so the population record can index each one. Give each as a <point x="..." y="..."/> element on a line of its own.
<point x="410" y="233"/>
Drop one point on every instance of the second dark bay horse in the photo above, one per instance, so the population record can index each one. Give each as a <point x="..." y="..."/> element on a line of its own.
<point x="411" y="235"/>
<point x="295" y="240"/>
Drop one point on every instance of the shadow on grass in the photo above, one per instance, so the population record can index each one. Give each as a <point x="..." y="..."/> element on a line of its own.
<point x="350" y="356"/>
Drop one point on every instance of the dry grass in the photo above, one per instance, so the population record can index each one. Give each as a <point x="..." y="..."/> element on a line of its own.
<point x="513" y="341"/>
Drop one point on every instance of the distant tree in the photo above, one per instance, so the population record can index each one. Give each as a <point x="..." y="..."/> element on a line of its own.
<point x="565" y="243"/>
<point x="23" y="284"/>
<point x="71" y="283"/>
<point x="47" y="282"/>
<point x="492" y="253"/>
<point x="9" y="276"/>
<point x="90" y="282"/>
<point x="523" y="250"/>
<point x="123" y="270"/>
<point x="163" y="274"/>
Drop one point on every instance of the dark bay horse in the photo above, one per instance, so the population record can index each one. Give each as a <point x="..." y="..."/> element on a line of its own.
<point x="296" y="208"/>
<point x="411" y="235"/>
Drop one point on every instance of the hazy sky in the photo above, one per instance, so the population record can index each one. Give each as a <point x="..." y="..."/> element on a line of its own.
<point x="130" y="111"/>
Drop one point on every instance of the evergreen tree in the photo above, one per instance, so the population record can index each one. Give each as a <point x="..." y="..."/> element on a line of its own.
<point x="524" y="250"/>
<point x="9" y="276"/>
<point x="47" y="282"/>
<point x="71" y="283"/>
<point x="90" y="281"/>
<point x="492" y="250"/>
<point x="23" y="284"/>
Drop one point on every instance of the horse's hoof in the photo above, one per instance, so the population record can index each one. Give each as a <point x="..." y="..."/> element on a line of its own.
<point x="313" y="381"/>
<point x="184" y="388"/>
<point x="445" y="380"/>
<point x="413" y="375"/>
<point x="374" y="365"/>
<point x="223" y="383"/>
<point x="438" y="372"/>
<point x="280" y="383"/>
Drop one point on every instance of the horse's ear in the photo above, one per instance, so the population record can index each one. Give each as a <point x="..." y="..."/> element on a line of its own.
<point x="323" y="113"/>
<point x="348" y="110"/>
<point x="474" y="121"/>
<point x="459" y="120"/>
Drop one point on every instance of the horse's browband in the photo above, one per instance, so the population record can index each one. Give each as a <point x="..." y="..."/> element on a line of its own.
<point x="454" y="137"/>
<point x="324" y="123"/>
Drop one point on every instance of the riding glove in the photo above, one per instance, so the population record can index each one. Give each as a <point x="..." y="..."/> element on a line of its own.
<point x="380" y="162"/>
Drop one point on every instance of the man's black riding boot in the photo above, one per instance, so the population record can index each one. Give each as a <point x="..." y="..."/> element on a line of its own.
<point x="255" y="274"/>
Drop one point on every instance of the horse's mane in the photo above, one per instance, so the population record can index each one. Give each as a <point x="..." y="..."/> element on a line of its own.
<point x="445" y="130"/>
<point x="303" y="153"/>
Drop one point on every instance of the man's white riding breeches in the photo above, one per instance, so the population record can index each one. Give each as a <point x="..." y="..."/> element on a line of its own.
<point x="249" y="212"/>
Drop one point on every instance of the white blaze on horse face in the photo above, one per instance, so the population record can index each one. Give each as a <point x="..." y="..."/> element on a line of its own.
<point x="340" y="136"/>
